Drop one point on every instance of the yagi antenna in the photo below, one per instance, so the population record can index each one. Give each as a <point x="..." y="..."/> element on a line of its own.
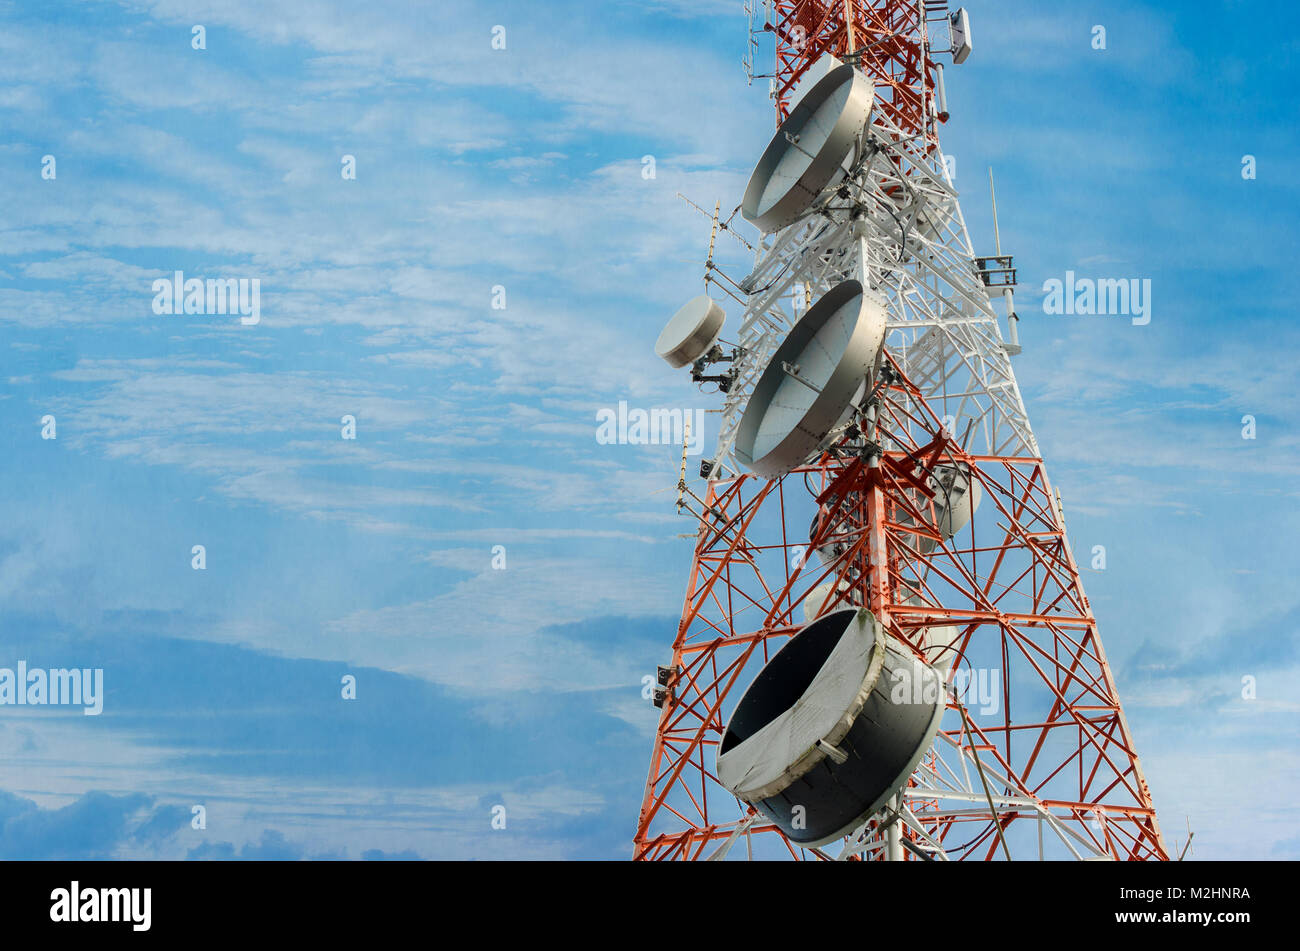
<point x="681" y="476"/>
<point x="719" y="225"/>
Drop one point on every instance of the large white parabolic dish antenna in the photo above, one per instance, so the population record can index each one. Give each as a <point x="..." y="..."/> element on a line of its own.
<point x="809" y="385"/>
<point x="691" y="332"/>
<point x="808" y="150"/>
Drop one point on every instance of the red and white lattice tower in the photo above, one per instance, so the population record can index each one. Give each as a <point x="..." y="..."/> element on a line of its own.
<point x="1034" y="757"/>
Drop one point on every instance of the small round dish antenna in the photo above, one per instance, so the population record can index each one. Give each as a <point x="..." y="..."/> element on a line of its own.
<point x="808" y="387"/>
<point x="691" y="332"/>
<point x="938" y="641"/>
<point x="833" y="547"/>
<point x="956" y="499"/>
<point x="823" y="598"/>
<point x="808" y="151"/>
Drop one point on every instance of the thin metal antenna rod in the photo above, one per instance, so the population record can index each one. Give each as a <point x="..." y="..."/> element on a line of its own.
<point x="1013" y="322"/>
<point x="997" y="237"/>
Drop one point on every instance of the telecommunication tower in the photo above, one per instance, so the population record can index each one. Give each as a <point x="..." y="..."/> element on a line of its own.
<point x="885" y="650"/>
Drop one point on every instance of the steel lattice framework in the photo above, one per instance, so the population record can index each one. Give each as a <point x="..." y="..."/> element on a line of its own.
<point x="887" y="39"/>
<point x="1038" y="761"/>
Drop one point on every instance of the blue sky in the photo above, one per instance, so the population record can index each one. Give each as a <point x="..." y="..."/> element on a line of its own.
<point x="522" y="168"/>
